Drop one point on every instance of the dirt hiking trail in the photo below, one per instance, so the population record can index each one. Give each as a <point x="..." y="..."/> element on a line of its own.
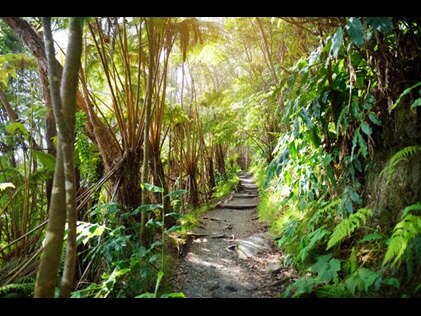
<point x="232" y="254"/>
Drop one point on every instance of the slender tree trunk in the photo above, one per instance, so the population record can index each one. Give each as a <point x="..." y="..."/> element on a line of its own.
<point x="50" y="124"/>
<point x="64" y="186"/>
<point x="267" y="52"/>
<point x="149" y="91"/>
<point x="194" y="192"/>
<point x="220" y="161"/>
<point x="7" y="106"/>
<point x="53" y="244"/>
<point x="182" y="84"/>
<point x="68" y="91"/>
<point x="211" y="174"/>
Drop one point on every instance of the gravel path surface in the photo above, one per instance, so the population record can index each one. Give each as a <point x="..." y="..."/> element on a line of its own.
<point x="233" y="255"/>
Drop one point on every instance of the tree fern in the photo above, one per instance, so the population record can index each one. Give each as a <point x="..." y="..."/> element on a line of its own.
<point x="348" y="225"/>
<point x="398" y="157"/>
<point x="404" y="232"/>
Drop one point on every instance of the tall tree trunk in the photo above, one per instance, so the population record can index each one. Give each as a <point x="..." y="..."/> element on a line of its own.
<point x="51" y="125"/>
<point x="127" y="181"/>
<point x="211" y="175"/>
<point x="68" y="91"/>
<point x="220" y="160"/>
<point x="50" y="259"/>
<point x="194" y="192"/>
<point x="64" y="187"/>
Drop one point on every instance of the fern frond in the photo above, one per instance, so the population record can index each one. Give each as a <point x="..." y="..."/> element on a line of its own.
<point x="313" y="238"/>
<point x="404" y="232"/>
<point x="319" y="213"/>
<point x="412" y="207"/>
<point x="348" y="226"/>
<point x="398" y="157"/>
<point x="403" y="154"/>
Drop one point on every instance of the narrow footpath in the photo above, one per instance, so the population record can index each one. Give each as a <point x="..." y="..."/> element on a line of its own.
<point x="232" y="253"/>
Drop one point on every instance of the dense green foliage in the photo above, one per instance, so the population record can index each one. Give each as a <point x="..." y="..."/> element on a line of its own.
<point x="324" y="111"/>
<point x="338" y="217"/>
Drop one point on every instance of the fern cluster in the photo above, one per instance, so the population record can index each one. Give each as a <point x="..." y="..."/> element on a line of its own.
<point x="404" y="233"/>
<point x="402" y="155"/>
<point x="348" y="226"/>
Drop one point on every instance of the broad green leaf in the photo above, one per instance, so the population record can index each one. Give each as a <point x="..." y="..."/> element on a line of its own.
<point x="153" y="224"/>
<point x="336" y="42"/>
<point x="326" y="268"/>
<point x="117" y="273"/>
<point x="151" y="187"/>
<point x="381" y="24"/>
<point x="314" y="137"/>
<point x="361" y="143"/>
<point x="146" y="295"/>
<point x="5" y="185"/>
<point x="173" y="295"/>
<point x="12" y="129"/>
<point x="392" y="282"/>
<point x="374" y="118"/>
<point x="355" y="196"/>
<point x="349" y="208"/>
<point x="366" y="128"/>
<point x="173" y="229"/>
<point x="47" y="160"/>
<point x="156" y="244"/>
<point x="146" y="208"/>
<point x="416" y="103"/>
<point x="356" y="59"/>
<point x="404" y="93"/>
<point x="293" y="150"/>
<point x="86" y="231"/>
<point x="368" y="277"/>
<point x="353" y="282"/>
<point x="355" y="110"/>
<point x="355" y="30"/>
<point x="303" y="285"/>
<point x="357" y="165"/>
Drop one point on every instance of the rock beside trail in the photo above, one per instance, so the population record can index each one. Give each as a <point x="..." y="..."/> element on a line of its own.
<point x="253" y="245"/>
<point x="274" y="266"/>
